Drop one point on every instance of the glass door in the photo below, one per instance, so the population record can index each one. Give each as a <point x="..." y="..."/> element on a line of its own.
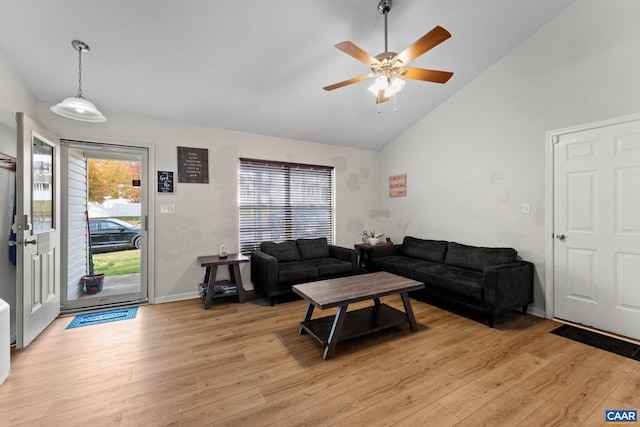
<point x="105" y="212"/>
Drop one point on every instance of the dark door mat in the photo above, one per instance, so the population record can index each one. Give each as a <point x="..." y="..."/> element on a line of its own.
<point x="603" y="342"/>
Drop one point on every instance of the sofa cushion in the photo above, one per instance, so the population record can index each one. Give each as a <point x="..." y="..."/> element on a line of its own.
<point x="459" y="280"/>
<point x="283" y="252"/>
<point x="400" y="265"/>
<point x="297" y="272"/>
<point x="477" y="258"/>
<point x="313" y="248"/>
<point x="429" y="250"/>
<point x="331" y="267"/>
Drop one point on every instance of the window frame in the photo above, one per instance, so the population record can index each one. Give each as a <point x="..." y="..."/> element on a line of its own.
<point x="294" y="204"/>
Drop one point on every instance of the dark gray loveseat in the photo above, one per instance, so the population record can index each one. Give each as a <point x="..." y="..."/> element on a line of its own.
<point x="278" y="266"/>
<point x="489" y="280"/>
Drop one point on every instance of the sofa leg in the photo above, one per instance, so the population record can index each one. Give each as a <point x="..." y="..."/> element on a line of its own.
<point x="491" y="319"/>
<point x="524" y="309"/>
<point x="273" y="301"/>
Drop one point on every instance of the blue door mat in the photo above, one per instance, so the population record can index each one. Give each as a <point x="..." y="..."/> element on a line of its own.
<point x="98" y="317"/>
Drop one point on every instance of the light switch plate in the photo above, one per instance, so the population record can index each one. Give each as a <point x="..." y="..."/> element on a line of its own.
<point x="168" y="209"/>
<point x="526" y="208"/>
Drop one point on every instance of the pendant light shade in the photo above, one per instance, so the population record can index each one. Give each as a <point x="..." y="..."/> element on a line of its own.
<point x="78" y="108"/>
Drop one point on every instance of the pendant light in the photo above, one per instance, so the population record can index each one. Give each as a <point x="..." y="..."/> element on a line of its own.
<point x="77" y="107"/>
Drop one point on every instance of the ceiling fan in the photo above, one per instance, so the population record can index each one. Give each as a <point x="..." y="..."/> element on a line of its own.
<point x="387" y="67"/>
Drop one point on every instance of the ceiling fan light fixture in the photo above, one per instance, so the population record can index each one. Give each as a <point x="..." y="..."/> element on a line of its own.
<point x="397" y="85"/>
<point x="394" y="87"/>
<point x="381" y="83"/>
<point x="390" y="86"/>
<point x="78" y="108"/>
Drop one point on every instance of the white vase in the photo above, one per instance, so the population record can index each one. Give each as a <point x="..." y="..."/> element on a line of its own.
<point x="373" y="241"/>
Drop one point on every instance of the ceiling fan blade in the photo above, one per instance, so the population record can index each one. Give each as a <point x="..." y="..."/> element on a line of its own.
<point x="430" y="40"/>
<point x="347" y="82"/>
<point x="380" y="98"/>
<point x="359" y="54"/>
<point x="423" y="74"/>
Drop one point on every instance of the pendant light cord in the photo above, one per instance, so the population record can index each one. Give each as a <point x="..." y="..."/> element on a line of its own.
<point x="80" y="73"/>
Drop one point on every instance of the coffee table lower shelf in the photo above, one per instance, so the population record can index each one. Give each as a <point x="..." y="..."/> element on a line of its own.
<point x="357" y="323"/>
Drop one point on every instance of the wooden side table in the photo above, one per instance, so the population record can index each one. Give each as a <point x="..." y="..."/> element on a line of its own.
<point x="211" y="263"/>
<point x="364" y="256"/>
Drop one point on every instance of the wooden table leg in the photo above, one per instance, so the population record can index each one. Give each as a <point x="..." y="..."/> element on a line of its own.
<point x="307" y="316"/>
<point x="210" y="278"/>
<point x="409" y="311"/>
<point x="236" y="278"/>
<point x="334" y="335"/>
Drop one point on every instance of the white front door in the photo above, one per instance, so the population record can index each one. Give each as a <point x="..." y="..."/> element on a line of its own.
<point x="37" y="227"/>
<point x="596" y="226"/>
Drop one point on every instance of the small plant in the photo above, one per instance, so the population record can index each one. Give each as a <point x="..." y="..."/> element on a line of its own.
<point x="372" y="234"/>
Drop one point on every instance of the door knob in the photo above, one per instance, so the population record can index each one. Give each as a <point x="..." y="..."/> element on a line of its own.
<point x="560" y="237"/>
<point x="30" y="242"/>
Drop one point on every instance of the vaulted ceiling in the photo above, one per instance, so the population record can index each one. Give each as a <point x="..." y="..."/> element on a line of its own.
<point x="257" y="66"/>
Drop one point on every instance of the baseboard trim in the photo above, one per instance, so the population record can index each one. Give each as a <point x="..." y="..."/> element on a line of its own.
<point x="536" y="311"/>
<point x="177" y="297"/>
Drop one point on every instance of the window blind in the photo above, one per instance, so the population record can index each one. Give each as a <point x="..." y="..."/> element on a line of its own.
<point x="281" y="201"/>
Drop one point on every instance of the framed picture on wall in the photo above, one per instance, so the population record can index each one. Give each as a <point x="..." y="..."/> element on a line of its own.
<point x="165" y="182"/>
<point x="193" y="165"/>
<point x="398" y="185"/>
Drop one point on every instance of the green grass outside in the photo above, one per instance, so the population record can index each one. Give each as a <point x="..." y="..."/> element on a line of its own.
<point x="117" y="263"/>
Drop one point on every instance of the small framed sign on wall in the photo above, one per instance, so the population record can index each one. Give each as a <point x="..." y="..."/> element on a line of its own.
<point x="193" y="165"/>
<point x="398" y="185"/>
<point x="165" y="182"/>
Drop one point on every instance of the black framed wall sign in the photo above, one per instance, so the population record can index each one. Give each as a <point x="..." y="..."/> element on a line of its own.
<point x="193" y="165"/>
<point x="165" y="182"/>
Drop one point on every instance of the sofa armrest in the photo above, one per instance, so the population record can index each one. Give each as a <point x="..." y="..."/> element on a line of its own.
<point x="383" y="250"/>
<point x="264" y="271"/>
<point x="345" y="254"/>
<point x="508" y="286"/>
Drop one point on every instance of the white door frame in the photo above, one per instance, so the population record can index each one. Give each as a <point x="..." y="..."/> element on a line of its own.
<point x="552" y="138"/>
<point x="151" y="173"/>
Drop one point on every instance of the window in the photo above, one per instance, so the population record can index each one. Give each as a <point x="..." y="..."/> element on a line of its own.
<point x="284" y="201"/>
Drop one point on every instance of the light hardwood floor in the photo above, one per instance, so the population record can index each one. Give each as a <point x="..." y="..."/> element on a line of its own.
<point x="246" y="364"/>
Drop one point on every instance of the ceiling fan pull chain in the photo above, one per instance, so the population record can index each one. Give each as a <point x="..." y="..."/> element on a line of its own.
<point x="395" y="105"/>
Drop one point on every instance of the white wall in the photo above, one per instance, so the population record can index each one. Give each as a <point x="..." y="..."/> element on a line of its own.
<point x="14" y="97"/>
<point x="471" y="163"/>
<point x="207" y="214"/>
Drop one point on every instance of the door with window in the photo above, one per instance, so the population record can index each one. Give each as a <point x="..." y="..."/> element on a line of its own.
<point x="37" y="228"/>
<point x="105" y="191"/>
<point x="596" y="224"/>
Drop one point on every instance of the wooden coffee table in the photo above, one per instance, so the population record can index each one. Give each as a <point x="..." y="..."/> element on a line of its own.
<point x="343" y="291"/>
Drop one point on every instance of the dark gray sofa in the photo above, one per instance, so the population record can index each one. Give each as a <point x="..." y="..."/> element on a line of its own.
<point x="278" y="266"/>
<point x="489" y="280"/>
